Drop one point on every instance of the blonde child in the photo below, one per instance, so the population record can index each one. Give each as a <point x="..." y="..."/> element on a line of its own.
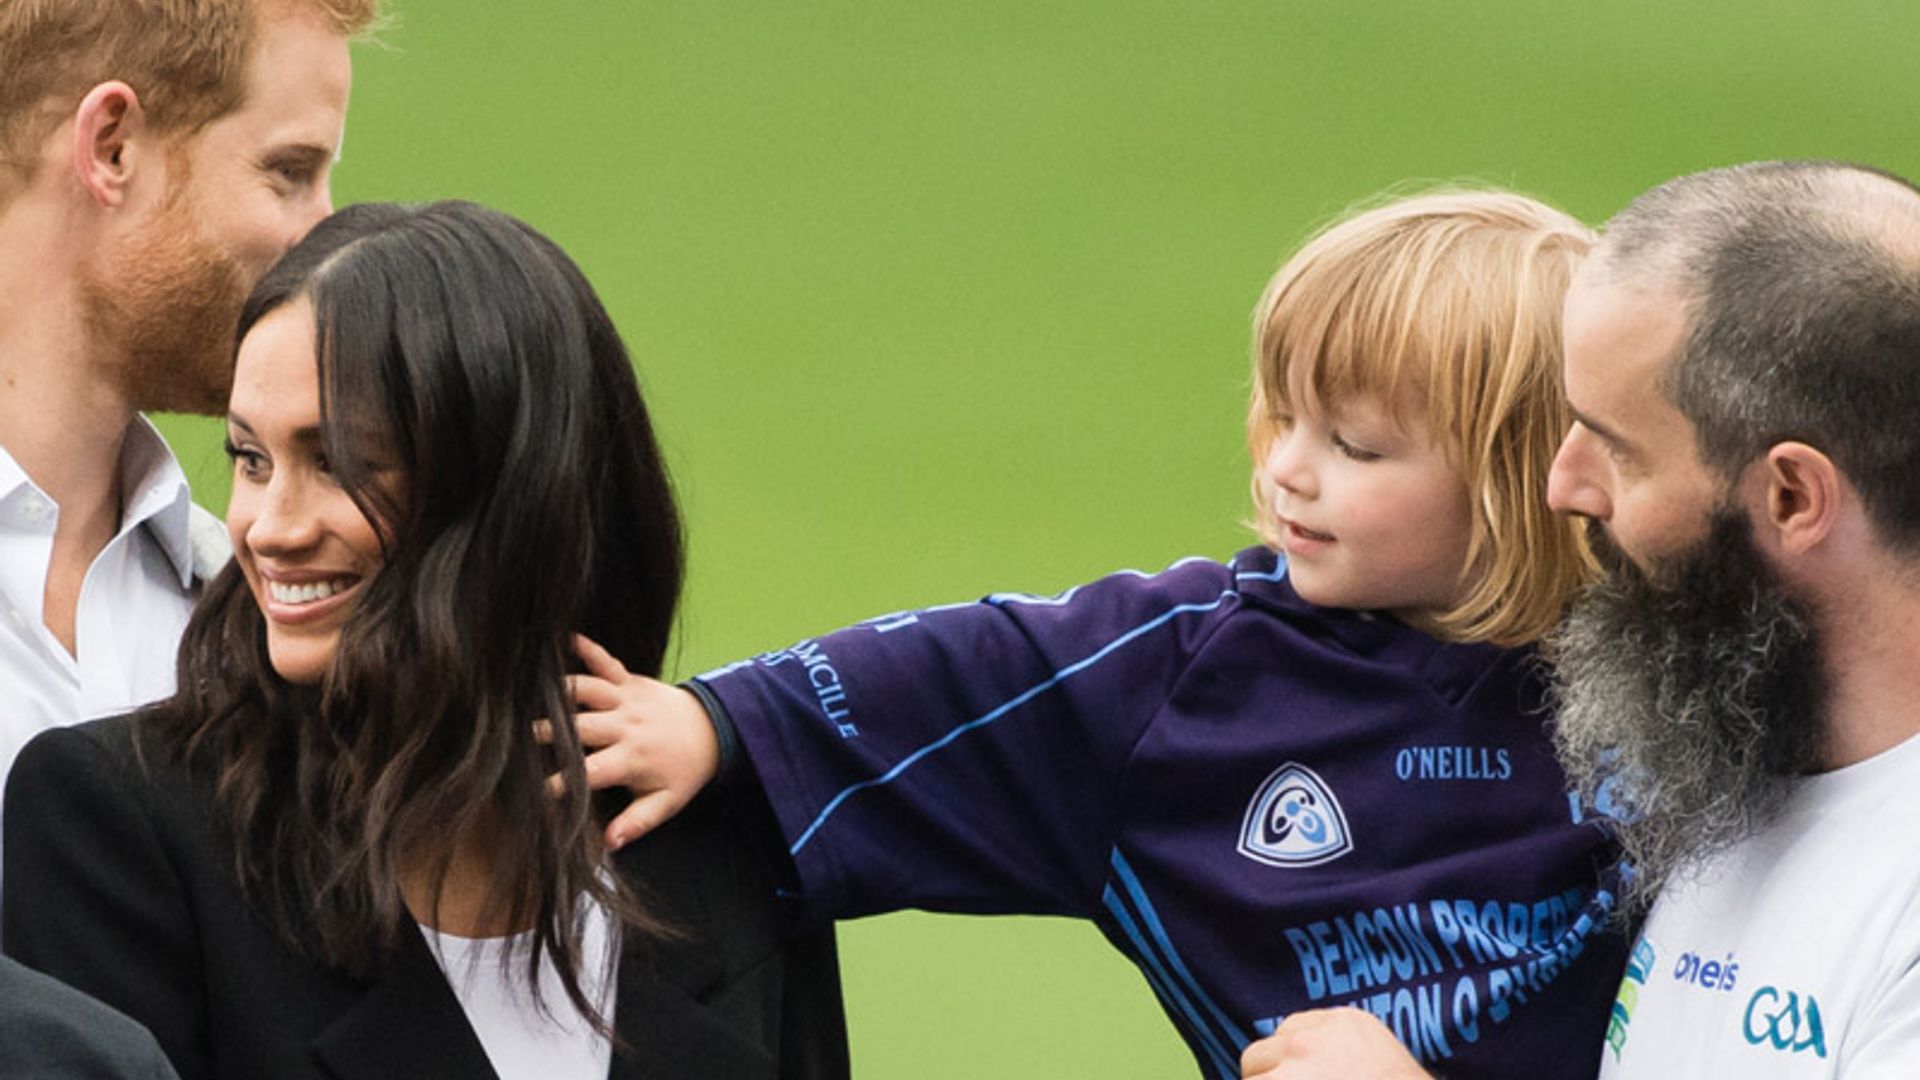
<point x="1313" y="775"/>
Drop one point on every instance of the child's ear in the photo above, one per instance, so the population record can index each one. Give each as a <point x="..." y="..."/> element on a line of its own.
<point x="1802" y="498"/>
<point x="103" y="149"/>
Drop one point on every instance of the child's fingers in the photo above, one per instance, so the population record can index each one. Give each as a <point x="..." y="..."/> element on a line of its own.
<point x="599" y="730"/>
<point x="1330" y="1044"/>
<point x="604" y="769"/>
<point x="590" y="693"/>
<point x="614" y="767"/>
<point x="598" y="660"/>
<point x="641" y="817"/>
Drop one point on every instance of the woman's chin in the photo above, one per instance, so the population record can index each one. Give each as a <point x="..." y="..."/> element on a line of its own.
<point x="303" y="662"/>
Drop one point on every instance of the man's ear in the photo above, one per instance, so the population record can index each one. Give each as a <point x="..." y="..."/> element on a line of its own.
<point x="104" y="128"/>
<point x="1802" y="497"/>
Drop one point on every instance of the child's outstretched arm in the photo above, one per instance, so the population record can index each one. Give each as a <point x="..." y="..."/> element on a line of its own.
<point x="650" y="737"/>
<point x="967" y="757"/>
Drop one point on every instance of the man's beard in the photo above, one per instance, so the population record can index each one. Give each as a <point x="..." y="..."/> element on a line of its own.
<point x="163" y="315"/>
<point x="1690" y="698"/>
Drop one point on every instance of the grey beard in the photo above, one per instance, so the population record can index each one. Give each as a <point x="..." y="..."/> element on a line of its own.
<point x="1690" y="699"/>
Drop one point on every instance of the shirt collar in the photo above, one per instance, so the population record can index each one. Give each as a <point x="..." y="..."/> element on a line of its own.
<point x="154" y="488"/>
<point x="12" y="476"/>
<point x="156" y="495"/>
<point x="1451" y="668"/>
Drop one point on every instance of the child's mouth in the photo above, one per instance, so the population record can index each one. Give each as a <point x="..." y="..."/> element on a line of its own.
<point x="1305" y="533"/>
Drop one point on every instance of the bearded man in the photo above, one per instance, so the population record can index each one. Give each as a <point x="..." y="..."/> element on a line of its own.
<point x="155" y="159"/>
<point x="1743" y="686"/>
<point x="1743" y="355"/>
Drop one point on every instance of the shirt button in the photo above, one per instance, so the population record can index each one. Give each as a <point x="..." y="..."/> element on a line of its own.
<point x="35" y="509"/>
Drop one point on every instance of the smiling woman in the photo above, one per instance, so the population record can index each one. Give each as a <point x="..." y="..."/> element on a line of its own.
<point x="298" y="537"/>
<point x="336" y="851"/>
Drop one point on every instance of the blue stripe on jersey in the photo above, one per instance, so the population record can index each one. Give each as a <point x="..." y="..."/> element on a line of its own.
<point x="1131" y="882"/>
<point x="1169" y="994"/>
<point x="1001" y="710"/>
<point x="1278" y="573"/>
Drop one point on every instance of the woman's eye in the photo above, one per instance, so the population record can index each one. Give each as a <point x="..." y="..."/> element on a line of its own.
<point x="250" y="462"/>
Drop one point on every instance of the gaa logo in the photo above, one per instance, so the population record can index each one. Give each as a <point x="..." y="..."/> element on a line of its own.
<point x="1785" y="1021"/>
<point x="1294" y="820"/>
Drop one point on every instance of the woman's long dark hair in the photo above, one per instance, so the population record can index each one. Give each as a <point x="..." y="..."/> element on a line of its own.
<point x="479" y="408"/>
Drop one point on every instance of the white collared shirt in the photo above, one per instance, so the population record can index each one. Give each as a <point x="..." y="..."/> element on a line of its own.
<point x="134" y="601"/>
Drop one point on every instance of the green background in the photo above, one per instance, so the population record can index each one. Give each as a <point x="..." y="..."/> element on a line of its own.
<point x="933" y="300"/>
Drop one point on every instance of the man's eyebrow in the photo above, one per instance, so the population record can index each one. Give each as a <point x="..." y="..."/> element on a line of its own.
<point x="1606" y="433"/>
<point x="301" y="153"/>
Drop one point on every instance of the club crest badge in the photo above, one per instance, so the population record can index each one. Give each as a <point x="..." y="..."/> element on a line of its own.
<point x="1294" y="820"/>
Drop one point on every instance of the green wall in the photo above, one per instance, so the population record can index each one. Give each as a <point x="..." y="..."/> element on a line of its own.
<point x="937" y="299"/>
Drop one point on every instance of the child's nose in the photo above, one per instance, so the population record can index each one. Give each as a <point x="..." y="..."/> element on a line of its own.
<point x="1288" y="468"/>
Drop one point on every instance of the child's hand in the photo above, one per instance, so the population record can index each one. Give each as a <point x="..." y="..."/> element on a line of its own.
<point x="641" y="734"/>
<point x="1330" y="1044"/>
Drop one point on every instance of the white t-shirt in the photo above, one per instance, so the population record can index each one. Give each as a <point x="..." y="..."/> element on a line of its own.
<point x="521" y="1040"/>
<point x="1797" y="953"/>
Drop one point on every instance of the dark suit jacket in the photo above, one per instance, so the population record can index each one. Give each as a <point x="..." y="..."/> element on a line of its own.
<point x="119" y="881"/>
<point x="49" y="1029"/>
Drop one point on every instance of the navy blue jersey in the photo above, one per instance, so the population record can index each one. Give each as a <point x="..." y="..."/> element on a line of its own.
<point x="1268" y="806"/>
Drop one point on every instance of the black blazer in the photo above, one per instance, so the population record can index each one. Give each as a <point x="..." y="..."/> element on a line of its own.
<point x="119" y="882"/>
<point x="49" y="1029"/>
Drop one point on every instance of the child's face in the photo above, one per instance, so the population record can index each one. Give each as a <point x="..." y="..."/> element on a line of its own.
<point x="1369" y="512"/>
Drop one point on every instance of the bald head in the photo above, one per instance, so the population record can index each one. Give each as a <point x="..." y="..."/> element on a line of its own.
<point x="1801" y="282"/>
<point x="1678" y="233"/>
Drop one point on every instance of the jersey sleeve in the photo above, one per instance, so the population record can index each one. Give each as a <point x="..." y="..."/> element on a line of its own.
<point x="1887" y="1042"/>
<point x="968" y="758"/>
<point x="92" y="898"/>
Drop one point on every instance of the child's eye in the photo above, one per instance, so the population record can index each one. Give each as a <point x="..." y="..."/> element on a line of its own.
<point x="1355" y="452"/>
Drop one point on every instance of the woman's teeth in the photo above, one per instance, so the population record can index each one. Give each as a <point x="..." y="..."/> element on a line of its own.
<point x="306" y="594"/>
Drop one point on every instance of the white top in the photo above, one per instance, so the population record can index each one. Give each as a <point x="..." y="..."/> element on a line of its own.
<point x="523" y="1041"/>
<point x="133" y="604"/>
<point x="1797" y="953"/>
